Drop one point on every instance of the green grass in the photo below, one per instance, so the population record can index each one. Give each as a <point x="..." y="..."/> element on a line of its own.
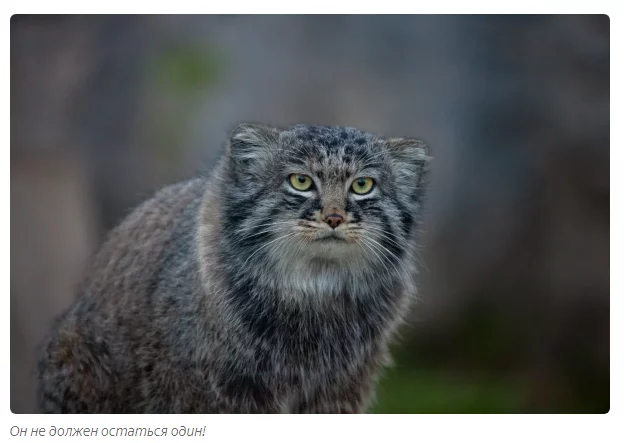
<point x="180" y="75"/>
<point x="403" y="390"/>
<point x="188" y="69"/>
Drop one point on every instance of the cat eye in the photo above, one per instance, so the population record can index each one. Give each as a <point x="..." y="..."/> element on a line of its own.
<point x="300" y="182"/>
<point x="362" y="185"/>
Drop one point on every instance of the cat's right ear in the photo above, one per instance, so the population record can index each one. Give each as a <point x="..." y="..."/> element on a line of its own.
<point x="411" y="157"/>
<point x="252" y="148"/>
<point x="411" y="163"/>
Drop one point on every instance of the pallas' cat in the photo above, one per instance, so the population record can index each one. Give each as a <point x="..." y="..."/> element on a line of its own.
<point x="276" y="285"/>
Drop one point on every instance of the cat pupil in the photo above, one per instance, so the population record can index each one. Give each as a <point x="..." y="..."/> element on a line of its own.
<point x="301" y="179"/>
<point x="361" y="183"/>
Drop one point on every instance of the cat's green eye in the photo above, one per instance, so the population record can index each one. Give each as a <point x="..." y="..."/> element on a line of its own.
<point x="300" y="182"/>
<point x="362" y="185"/>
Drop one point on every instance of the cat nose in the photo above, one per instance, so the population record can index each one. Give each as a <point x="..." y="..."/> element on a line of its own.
<point x="334" y="219"/>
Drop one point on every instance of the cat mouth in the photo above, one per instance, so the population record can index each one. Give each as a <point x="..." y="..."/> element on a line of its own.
<point x="330" y="237"/>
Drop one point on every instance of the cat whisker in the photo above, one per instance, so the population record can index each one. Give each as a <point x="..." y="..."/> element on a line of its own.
<point x="382" y="260"/>
<point x="255" y="235"/>
<point x="407" y="273"/>
<point x="290" y="234"/>
<point x="376" y="246"/>
<point x="385" y="234"/>
<point x="302" y="241"/>
<point x="264" y="224"/>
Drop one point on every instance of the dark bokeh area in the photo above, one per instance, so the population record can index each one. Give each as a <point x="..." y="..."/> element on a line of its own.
<point x="514" y="307"/>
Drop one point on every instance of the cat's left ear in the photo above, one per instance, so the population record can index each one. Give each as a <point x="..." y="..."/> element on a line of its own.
<point x="251" y="148"/>
<point x="410" y="156"/>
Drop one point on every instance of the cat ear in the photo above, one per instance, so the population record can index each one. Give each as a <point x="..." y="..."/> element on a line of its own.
<point x="251" y="147"/>
<point x="411" y="159"/>
<point x="410" y="155"/>
<point x="408" y="151"/>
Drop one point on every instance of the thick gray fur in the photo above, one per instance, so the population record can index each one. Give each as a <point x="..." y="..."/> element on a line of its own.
<point x="231" y="295"/>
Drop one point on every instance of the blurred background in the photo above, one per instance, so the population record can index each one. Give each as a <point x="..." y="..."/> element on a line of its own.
<point x="514" y="310"/>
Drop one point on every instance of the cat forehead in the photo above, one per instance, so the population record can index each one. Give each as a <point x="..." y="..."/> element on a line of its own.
<point x="329" y="138"/>
<point x="329" y="135"/>
<point x="330" y="147"/>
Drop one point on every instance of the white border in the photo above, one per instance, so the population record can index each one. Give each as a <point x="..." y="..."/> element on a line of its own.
<point x="381" y="428"/>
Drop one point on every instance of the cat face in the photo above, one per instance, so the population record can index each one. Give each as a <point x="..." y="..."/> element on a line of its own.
<point x="316" y="194"/>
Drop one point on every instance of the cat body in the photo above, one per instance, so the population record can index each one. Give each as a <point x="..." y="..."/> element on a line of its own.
<point x="274" y="286"/>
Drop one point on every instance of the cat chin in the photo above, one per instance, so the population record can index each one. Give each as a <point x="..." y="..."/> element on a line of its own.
<point x="333" y="251"/>
<point x="325" y="259"/>
<point x="319" y="278"/>
<point x="321" y="258"/>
